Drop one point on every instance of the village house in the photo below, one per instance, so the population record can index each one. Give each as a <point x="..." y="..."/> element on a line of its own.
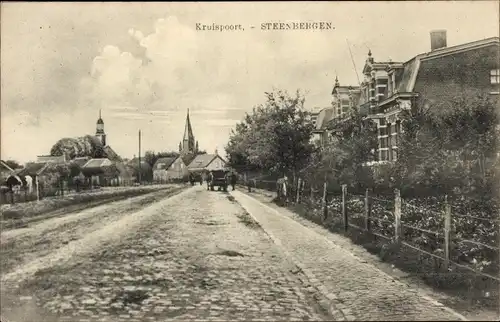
<point x="101" y="172"/>
<point x="434" y="77"/>
<point x="320" y="133"/>
<point x="207" y="162"/>
<point x="169" y="168"/>
<point x="8" y="176"/>
<point x="48" y="172"/>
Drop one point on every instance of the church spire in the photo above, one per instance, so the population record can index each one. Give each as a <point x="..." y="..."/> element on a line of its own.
<point x="188" y="143"/>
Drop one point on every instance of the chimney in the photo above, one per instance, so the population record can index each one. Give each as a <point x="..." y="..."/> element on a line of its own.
<point x="438" y="39"/>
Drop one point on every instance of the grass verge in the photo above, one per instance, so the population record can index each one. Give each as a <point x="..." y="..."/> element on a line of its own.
<point x="18" y="215"/>
<point x="465" y="291"/>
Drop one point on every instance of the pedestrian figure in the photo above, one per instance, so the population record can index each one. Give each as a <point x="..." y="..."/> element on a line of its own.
<point x="233" y="180"/>
<point x="209" y="179"/>
<point x="282" y="188"/>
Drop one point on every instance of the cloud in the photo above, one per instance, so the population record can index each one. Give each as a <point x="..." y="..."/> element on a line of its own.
<point x="61" y="63"/>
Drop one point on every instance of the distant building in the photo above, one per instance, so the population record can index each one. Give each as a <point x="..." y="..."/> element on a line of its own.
<point x="203" y="162"/>
<point x="188" y="144"/>
<point x="169" y="168"/>
<point x="101" y="172"/>
<point x="320" y="131"/>
<point x="314" y="112"/>
<point x="344" y="99"/>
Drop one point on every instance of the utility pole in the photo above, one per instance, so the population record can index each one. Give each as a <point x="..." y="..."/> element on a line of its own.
<point x="140" y="168"/>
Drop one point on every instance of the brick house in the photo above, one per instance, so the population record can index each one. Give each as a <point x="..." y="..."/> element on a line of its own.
<point x="169" y="168"/>
<point x="435" y="77"/>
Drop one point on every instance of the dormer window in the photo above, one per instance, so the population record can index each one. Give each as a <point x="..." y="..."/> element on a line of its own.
<point x="495" y="76"/>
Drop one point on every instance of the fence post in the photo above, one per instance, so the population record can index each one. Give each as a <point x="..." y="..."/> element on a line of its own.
<point x="344" y="207"/>
<point x="368" y="209"/>
<point x="311" y="192"/>
<point x="325" y="206"/>
<point x="62" y="187"/>
<point x="447" y="229"/>
<point x="299" y="182"/>
<point x="37" y="189"/>
<point x="397" y="215"/>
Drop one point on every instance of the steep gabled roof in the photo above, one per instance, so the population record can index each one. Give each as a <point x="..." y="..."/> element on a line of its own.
<point x="80" y="161"/>
<point x="33" y="169"/>
<point x="97" y="163"/>
<point x="5" y="166"/>
<point x="164" y="163"/>
<point x="111" y="154"/>
<point x="325" y="115"/>
<point x="202" y="161"/>
<point x="411" y="68"/>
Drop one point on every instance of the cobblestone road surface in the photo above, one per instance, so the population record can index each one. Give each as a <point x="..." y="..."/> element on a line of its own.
<point x="195" y="256"/>
<point x="357" y="290"/>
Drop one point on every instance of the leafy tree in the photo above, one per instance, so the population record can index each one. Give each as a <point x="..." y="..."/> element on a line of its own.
<point x="450" y="150"/>
<point x="352" y="144"/>
<point x="275" y="137"/>
<point x="150" y="157"/>
<point x="86" y="146"/>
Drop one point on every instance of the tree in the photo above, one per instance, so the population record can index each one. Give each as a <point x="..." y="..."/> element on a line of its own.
<point x="150" y="157"/>
<point x="353" y="143"/>
<point x="450" y="150"/>
<point x="275" y="137"/>
<point x="86" y="146"/>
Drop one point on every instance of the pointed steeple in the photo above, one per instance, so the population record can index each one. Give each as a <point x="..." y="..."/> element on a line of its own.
<point x="99" y="120"/>
<point x="188" y="143"/>
<point x="337" y="84"/>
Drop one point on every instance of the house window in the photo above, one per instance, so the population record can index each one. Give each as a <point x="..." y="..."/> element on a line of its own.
<point x="384" y="155"/>
<point x="495" y="76"/>
<point x="394" y="154"/>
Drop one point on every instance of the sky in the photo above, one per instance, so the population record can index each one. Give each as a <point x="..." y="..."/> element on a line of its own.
<point x="145" y="64"/>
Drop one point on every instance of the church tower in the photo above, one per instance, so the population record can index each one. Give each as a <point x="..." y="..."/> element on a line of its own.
<point x="99" y="132"/>
<point x="188" y="143"/>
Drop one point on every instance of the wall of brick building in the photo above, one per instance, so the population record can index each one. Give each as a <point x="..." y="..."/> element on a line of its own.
<point x="441" y="79"/>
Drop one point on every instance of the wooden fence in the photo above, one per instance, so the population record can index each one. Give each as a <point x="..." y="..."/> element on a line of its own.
<point x="60" y="191"/>
<point x="338" y="205"/>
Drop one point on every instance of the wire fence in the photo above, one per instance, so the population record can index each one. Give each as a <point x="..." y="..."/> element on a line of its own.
<point x="435" y="227"/>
